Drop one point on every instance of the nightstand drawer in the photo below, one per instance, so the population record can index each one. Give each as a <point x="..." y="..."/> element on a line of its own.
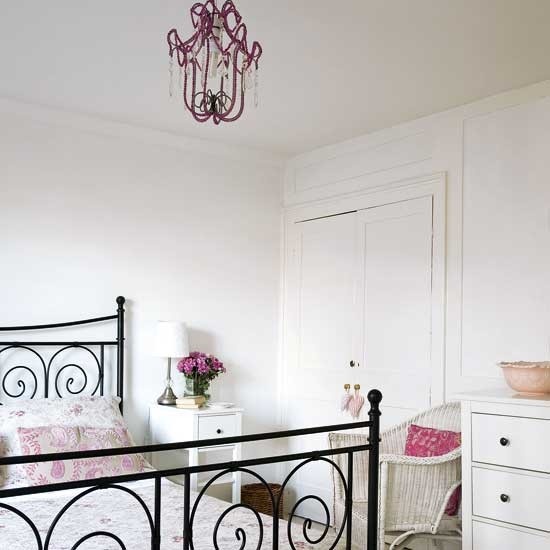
<point x="216" y="426"/>
<point x="511" y="497"/>
<point x="511" y="441"/>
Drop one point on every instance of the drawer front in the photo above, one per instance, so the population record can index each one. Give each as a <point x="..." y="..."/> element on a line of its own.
<point x="513" y="498"/>
<point x="487" y="537"/>
<point x="167" y="426"/>
<point x="216" y="426"/>
<point x="511" y="441"/>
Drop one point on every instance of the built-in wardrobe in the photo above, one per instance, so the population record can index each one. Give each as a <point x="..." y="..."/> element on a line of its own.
<point x="363" y="305"/>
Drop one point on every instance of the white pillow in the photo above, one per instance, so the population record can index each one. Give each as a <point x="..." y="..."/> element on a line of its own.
<point x="74" y="411"/>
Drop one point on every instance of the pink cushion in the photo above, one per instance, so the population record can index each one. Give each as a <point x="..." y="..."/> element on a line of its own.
<point x="57" y="439"/>
<point x="97" y="412"/>
<point x="110" y="438"/>
<point x="424" y="442"/>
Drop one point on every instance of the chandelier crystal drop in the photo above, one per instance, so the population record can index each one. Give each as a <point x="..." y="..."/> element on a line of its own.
<point x="216" y="65"/>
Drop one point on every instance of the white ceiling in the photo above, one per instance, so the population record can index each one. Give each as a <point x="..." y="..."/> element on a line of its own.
<point x="331" y="70"/>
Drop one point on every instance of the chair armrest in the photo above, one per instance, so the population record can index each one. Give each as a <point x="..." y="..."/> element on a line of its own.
<point x="426" y="482"/>
<point x="421" y="461"/>
<point x="391" y="441"/>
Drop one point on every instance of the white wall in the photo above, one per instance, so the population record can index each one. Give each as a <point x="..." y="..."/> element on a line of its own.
<point x="183" y="233"/>
<point x="495" y="156"/>
<point x="189" y="233"/>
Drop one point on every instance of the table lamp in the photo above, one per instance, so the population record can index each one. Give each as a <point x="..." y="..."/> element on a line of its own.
<point x="171" y="341"/>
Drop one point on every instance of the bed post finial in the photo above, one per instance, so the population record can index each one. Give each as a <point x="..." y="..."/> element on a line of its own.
<point x="120" y="350"/>
<point x="374" y="397"/>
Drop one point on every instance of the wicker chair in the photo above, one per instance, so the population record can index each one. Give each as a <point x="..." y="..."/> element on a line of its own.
<point x="413" y="491"/>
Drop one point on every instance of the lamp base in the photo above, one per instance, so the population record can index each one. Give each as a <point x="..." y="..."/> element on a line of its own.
<point x="168" y="397"/>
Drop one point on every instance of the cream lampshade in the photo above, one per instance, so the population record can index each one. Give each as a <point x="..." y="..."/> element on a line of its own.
<point x="171" y="341"/>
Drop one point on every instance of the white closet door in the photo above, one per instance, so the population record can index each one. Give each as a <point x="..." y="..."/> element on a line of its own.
<point x="395" y="303"/>
<point x="319" y="333"/>
<point x="361" y="291"/>
<point x="325" y="261"/>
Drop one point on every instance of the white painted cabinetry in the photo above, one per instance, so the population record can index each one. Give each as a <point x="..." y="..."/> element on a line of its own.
<point x="172" y="425"/>
<point x="505" y="471"/>
<point x="363" y="305"/>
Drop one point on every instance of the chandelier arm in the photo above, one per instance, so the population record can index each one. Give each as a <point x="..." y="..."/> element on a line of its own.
<point x="233" y="97"/>
<point x="173" y="41"/>
<point x="241" y="95"/>
<point x="227" y="118"/>
<point x="228" y="9"/>
<point x="256" y="51"/>
<point x="195" y="12"/>
<point x="200" y="13"/>
<point x="190" y="108"/>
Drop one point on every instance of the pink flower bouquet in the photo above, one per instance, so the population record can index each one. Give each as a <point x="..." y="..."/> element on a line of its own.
<point x="199" y="370"/>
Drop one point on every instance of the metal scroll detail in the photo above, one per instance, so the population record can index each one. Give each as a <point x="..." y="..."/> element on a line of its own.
<point x="73" y="386"/>
<point x="15" y="374"/>
<point x="32" y="368"/>
<point x="46" y="378"/>
<point x="240" y="533"/>
<point x="307" y="525"/>
<point x="308" y="522"/>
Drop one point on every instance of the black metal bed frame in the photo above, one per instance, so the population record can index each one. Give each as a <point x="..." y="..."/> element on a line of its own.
<point x="63" y="346"/>
<point x="153" y="518"/>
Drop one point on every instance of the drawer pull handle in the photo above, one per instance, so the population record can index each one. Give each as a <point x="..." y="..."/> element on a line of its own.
<point x="218" y="431"/>
<point x="504" y="441"/>
<point x="504" y="498"/>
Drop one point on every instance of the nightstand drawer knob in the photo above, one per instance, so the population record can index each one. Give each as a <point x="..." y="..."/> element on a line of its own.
<point x="218" y="426"/>
<point x="504" y="498"/>
<point x="504" y="441"/>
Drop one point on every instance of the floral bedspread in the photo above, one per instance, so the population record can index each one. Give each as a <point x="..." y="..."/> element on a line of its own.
<point x="118" y="513"/>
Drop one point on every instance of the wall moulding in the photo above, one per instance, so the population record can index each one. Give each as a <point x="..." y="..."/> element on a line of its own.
<point x="90" y="124"/>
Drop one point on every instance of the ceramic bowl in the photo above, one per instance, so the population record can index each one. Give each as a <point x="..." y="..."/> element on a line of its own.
<point x="527" y="378"/>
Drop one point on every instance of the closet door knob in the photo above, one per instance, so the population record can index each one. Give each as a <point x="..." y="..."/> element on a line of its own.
<point x="352" y="363"/>
<point x="504" y="498"/>
<point x="218" y="431"/>
<point x="504" y="441"/>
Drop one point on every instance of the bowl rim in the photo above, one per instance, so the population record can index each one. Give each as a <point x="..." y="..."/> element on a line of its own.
<point x="525" y="364"/>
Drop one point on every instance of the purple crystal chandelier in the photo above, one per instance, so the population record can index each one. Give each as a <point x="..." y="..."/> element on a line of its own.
<point x="216" y="66"/>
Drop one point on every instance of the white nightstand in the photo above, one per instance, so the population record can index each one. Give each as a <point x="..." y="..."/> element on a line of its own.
<point x="170" y="425"/>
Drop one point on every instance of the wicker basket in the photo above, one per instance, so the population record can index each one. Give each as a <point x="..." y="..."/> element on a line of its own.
<point x="257" y="497"/>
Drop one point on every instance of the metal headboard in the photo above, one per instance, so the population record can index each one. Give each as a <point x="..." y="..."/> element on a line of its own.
<point x="50" y="378"/>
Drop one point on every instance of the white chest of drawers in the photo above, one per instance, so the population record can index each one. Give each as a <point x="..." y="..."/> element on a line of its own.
<point x="505" y="471"/>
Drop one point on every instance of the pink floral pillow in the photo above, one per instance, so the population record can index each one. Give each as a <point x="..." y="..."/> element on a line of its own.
<point x="424" y="442"/>
<point x="110" y="438"/>
<point x="56" y="439"/>
<point x="99" y="412"/>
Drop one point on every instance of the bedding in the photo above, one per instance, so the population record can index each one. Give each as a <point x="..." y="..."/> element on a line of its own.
<point x="117" y="512"/>
<point x="59" y="439"/>
<point x="77" y="411"/>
